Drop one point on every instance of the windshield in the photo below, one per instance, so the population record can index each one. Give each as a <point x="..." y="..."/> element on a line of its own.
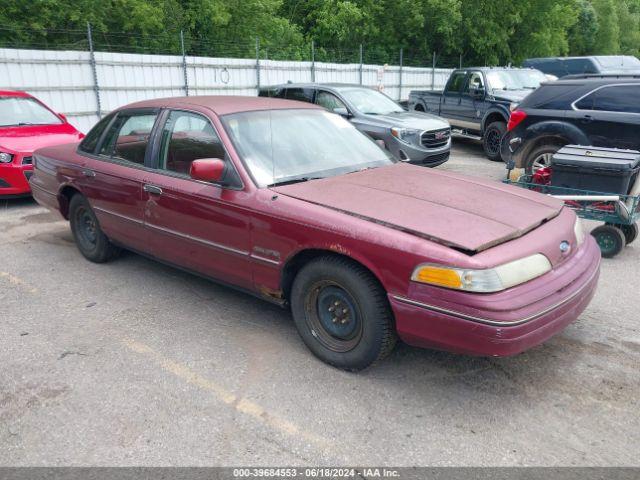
<point x="515" y="79"/>
<point x="370" y="102"/>
<point x="20" y="111"/>
<point x="281" y="146"/>
<point x="619" y="63"/>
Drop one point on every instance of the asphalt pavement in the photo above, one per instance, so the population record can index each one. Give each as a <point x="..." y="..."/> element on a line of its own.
<point x="135" y="363"/>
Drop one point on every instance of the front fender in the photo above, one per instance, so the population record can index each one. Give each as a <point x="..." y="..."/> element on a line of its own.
<point x="492" y="112"/>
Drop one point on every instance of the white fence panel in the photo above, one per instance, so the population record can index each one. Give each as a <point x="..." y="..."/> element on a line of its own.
<point x="64" y="80"/>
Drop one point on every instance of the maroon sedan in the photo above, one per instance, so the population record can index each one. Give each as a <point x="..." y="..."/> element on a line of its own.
<point x="293" y="204"/>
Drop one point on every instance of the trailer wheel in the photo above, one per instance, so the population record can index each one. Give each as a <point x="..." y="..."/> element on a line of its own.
<point x="611" y="240"/>
<point x="630" y="232"/>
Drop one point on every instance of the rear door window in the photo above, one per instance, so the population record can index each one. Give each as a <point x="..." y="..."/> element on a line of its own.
<point x="617" y="98"/>
<point x="456" y="82"/>
<point x="128" y="137"/>
<point x="300" y="94"/>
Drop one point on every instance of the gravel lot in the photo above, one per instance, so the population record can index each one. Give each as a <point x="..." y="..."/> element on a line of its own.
<point x="135" y="363"/>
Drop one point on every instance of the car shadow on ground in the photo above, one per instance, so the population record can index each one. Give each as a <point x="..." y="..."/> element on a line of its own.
<point x="12" y="203"/>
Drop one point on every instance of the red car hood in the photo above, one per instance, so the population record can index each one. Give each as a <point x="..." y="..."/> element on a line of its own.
<point x="26" y="139"/>
<point x="455" y="210"/>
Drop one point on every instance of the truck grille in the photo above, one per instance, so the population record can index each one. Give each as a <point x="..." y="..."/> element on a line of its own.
<point x="27" y="160"/>
<point x="435" y="138"/>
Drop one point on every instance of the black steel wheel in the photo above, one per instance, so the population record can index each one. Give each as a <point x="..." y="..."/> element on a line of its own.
<point x="342" y="313"/>
<point x="610" y="239"/>
<point x="492" y="140"/>
<point x="89" y="238"/>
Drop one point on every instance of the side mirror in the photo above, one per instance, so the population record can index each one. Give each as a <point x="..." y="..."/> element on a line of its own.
<point x="342" y="111"/>
<point x="207" y="169"/>
<point x="477" y="92"/>
<point x="63" y="117"/>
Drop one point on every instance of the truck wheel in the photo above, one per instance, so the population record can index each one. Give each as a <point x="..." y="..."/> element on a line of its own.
<point x="540" y="157"/>
<point x="610" y="240"/>
<point x="342" y="313"/>
<point x="419" y="108"/>
<point x="90" y="240"/>
<point x="492" y="140"/>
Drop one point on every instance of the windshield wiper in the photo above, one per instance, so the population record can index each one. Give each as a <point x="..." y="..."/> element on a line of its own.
<point x="293" y="180"/>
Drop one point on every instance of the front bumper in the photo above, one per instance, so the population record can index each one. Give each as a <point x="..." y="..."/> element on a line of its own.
<point x="14" y="179"/>
<point x="416" y="155"/>
<point x="492" y="327"/>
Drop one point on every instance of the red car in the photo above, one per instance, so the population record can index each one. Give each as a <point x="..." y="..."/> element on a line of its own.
<point x="25" y="125"/>
<point x="291" y="203"/>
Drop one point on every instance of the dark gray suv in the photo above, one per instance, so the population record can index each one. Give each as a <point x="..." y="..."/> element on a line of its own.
<point x="414" y="137"/>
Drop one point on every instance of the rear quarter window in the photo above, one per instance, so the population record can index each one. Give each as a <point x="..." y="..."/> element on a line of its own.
<point x="552" y="96"/>
<point x="90" y="142"/>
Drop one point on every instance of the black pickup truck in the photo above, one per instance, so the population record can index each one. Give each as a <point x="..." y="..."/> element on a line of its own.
<point x="477" y="101"/>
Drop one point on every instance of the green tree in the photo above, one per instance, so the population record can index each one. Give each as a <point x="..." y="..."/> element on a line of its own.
<point x="608" y="34"/>
<point x="582" y="35"/>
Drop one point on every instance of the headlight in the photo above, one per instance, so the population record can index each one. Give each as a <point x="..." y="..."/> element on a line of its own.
<point x="407" y="135"/>
<point x="577" y="229"/>
<point x="490" y="280"/>
<point x="5" y="157"/>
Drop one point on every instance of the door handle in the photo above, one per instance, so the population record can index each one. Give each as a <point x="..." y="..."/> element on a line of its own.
<point x="587" y="119"/>
<point x="152" y="189"/>
<point x="88" y="173"/>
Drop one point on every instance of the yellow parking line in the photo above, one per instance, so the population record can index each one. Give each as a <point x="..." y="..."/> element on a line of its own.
<point x="240" y="404"/>
<point x="13" y="280"/>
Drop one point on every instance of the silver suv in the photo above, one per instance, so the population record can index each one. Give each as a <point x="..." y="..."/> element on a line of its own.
<point x="415" y="137"/>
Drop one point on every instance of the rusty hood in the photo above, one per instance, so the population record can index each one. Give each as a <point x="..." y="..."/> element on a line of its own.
<point x="462" y="212"/>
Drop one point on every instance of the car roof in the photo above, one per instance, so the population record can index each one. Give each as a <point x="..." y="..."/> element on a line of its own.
<point x="223" y="104"/>
<point x="584" y="57"/>
<point x="14" y="93"/>
<point x="489" y="69"/>
<point x="594" y="79"/>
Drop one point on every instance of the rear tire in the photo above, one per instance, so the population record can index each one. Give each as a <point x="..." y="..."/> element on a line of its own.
<point x="90" y="240"/>
<point x="492" y="140"/>
<point x="610" y="238"/>
<point x="540" y="157"/>
<point x="342" y="313"/>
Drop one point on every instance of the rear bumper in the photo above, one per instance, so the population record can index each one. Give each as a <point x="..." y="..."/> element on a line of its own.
<point x="482" y="333"/>
<point x="14" y="180"/>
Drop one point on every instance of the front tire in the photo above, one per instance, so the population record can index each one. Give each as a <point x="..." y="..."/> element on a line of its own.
<point x="342" y="313"/>
<point x="492" y="140"/>
<point x="90" y="240"/>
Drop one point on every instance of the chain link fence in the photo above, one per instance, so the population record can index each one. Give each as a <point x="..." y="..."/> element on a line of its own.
<point x="85" y="74"/>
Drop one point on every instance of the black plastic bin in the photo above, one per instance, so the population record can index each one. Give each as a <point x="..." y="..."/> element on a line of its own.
<point x="607" y="170"/>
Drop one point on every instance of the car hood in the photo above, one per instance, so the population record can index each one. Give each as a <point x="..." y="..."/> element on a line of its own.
<point x="417" y="120"/>
<point x="511" y="95"/>
<point x="26" y="139"/>
<point x="465" y="213"/>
